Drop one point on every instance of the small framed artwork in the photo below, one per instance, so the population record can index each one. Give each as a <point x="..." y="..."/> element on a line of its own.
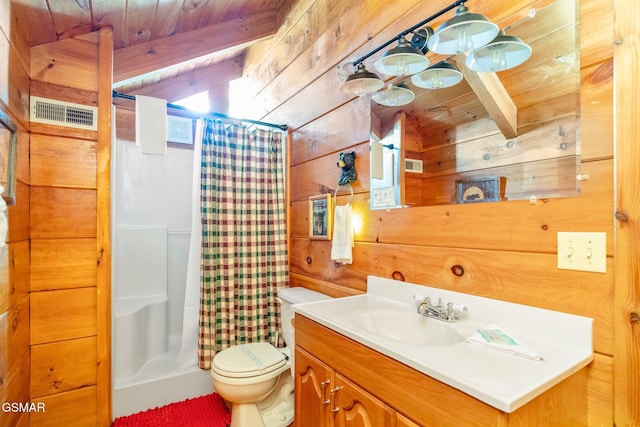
<point x="476" y="190"/>
<point x="179" y="131"/>
<point x="320" y="217"/>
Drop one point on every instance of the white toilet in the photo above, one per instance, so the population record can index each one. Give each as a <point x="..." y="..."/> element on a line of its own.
<point x="257" y="378"/>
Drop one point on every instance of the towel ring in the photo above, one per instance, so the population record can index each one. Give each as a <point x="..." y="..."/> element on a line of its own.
<point x="335" y="194"/>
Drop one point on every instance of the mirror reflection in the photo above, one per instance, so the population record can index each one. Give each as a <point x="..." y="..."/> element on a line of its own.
<point x="8" y="147"/>
<point x="460" y="145"/>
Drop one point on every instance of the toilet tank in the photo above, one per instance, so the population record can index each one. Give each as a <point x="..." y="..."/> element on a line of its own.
<point x="288" y="297"/>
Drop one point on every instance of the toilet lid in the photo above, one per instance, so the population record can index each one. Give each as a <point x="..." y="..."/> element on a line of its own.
<point x="247" y="360"/>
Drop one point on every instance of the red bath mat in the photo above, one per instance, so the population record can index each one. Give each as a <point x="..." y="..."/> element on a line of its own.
<point x="203" y="411"/>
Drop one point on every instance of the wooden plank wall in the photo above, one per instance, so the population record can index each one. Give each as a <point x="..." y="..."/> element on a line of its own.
<point x="14" y="257"/>
<point x="507" y="250"/>
<point x="69" y="328"/>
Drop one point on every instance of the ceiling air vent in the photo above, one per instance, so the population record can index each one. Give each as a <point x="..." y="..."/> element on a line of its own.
<point x="60" y="113"/>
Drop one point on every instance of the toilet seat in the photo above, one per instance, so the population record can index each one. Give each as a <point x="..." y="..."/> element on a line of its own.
<point x="248" y="360"/>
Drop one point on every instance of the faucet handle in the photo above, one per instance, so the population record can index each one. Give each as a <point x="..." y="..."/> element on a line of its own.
<point x="450" y="313"/>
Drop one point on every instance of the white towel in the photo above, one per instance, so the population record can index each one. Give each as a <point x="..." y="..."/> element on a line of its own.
<point x="342" y="235"/>
<point x="492" y="336"/>
<point x="151" y="125"/>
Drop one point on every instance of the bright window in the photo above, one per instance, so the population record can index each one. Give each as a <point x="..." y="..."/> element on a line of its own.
<point x="198" y="102"/>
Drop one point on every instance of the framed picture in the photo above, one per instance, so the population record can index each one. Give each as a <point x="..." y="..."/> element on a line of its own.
<point x="179" y="131"/>
<point x="320" y="217"/>
<point x="8" y="152"/>
<point x="476" y="190"/>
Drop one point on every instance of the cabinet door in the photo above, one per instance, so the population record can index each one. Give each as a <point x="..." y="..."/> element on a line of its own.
<point x="354" y="407"/>
<point x="312" y="391"/>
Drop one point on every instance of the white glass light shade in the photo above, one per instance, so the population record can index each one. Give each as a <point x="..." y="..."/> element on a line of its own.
<point x="462" y="33"/>
<point x="439" y="76"/>
<point x="402" y="60"/>
<point x="503" y="53"/>
<point x="394" y="96"/>
<point x="361" y="82"/>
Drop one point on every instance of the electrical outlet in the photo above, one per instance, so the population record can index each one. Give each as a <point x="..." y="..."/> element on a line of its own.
<point x="582" y="251"/>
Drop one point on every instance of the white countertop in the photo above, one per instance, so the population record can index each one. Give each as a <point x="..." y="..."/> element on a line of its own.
<point x="502" y="380"/>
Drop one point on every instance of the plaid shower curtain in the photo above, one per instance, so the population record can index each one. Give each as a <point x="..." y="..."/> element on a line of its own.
<point x="244" y="242"/>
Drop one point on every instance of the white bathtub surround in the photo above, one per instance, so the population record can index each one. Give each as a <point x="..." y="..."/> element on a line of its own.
<point x="140" y="261"/>
<point x="140" y="333"/>
<point x="151" y="233"/>
<point x="159" y="382"/>
<point x="504" y="381"/>
<point x="188" y="354"/>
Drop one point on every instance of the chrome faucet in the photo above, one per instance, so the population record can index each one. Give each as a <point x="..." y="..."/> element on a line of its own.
<point x="439" y="311"/>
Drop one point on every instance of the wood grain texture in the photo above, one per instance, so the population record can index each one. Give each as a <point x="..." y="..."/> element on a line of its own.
<point x="63" y="263"/>
<point x="63" y="366"/>
<point x="601" y="397"/>
<point x="76" y="408"/>
<point x="69" y="62"/>
<point x="62" y="213"/>
<point x="626" y="62"/>
<point x="62" y="161"/>
<point x="102" y="249"/>
<point x="62" y="314"/>
<point x="15" y="387"/>
<point x="19" y="214"/>
<point x="14" y="344"/>
<point x="18" y="265"/>
<point x="143" y="58"/>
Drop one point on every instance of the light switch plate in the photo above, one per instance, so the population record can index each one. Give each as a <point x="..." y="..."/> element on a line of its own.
<point x="582" y="251"/>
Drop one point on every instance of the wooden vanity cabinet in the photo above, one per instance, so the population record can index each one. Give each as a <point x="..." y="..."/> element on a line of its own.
<point x="363" y="387"/>
<point x="324" y="398"/>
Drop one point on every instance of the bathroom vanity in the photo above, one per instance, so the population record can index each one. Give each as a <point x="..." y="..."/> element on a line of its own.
<point x="350" y="372"/>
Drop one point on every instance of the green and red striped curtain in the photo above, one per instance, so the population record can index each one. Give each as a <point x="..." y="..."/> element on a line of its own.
<point x="244" y="240"/>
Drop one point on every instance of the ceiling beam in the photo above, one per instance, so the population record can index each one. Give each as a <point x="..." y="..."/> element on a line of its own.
<point x="144" y="58"/>
<point x="493" y="96"/>
<point x="196" y="81"/>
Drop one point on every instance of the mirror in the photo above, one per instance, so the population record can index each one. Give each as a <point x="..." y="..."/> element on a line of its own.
<point x="8" y="147"/>
<point x="449" y="145"/>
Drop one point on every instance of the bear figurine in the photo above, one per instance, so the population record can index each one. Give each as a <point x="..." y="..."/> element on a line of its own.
<point x="348" y="166"/>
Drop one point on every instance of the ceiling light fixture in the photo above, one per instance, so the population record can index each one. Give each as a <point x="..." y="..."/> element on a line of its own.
<point x="395" y="96"/>
<point x="402" y="60"/>
<point x="502" y="53"/>
<point x="463" y="33"/>
<point x="352" y="84"/>
<point x="361" y="82"/>
<point x="438" y="76"/>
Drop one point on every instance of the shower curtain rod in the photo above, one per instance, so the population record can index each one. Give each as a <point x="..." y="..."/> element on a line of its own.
<point x="217" y="115"/>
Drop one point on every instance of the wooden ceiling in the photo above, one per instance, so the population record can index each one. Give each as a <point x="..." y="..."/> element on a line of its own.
<point x="160" y="44"/>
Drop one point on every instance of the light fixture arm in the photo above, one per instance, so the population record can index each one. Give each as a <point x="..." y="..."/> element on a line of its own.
<point x="409" y="30"/>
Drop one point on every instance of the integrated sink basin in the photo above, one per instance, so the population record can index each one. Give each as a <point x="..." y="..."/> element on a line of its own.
<point x="385" y="320"/>
<point x="406" y="327"/>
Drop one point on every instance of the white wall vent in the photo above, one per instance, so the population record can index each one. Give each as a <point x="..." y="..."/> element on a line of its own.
<point x="413" y="165"/>
<point x="60" y="113"/>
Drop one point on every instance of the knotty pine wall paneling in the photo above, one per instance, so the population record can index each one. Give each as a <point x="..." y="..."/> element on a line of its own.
<point x="65" y="332"/>
<point x="14" y="255"/>
<point x="507" y="250"/>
